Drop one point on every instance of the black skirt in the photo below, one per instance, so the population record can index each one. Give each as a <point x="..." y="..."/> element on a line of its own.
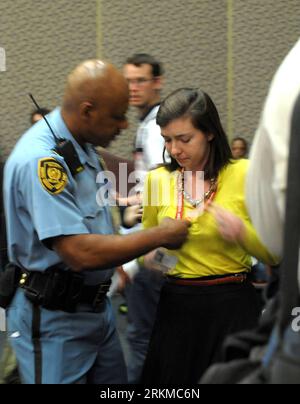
<point x="191" y="325"/>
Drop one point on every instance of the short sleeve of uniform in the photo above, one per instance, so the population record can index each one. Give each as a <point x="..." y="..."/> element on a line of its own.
<point x="47" y="190"/>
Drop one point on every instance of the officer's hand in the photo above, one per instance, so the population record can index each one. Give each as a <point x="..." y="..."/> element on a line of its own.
<point x="133" y="215"/>
<point x="176" y="232"/>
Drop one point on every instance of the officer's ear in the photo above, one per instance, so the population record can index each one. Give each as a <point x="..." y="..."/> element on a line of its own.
<point x="85" y="110"/>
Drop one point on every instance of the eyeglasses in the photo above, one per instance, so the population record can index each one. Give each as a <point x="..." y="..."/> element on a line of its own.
<point x="139" y="82"/>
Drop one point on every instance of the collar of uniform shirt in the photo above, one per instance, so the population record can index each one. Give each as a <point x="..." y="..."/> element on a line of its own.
<point x="87" y="156"/>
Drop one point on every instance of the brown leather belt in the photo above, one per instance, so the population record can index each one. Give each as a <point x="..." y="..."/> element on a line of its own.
<point x="236" y="278"/>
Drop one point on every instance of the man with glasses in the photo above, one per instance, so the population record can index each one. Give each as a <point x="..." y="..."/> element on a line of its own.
<point x="144" y="76"/>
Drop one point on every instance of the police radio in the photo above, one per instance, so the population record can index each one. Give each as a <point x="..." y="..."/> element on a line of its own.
<point x="64" y="147"/>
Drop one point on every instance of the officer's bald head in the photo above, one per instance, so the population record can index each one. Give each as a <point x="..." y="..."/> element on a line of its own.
<point x="90" y="81"/>
<point x="95" y="102"/>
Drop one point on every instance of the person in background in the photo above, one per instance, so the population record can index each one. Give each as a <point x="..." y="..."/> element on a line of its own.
<point x="207" y="295"/>
<point x="239" y="148"/>
<point x="260" y="273"/>
<point x="267" y="178"/>
<point x="37" y="114"/>
<point x="61" y="238"/>
<point x="267" y="188"/>
<point x="144" y="75"/>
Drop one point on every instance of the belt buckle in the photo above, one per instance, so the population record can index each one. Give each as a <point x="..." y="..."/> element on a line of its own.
<point x="100" y="295"/>
<point x="240" y="278"/>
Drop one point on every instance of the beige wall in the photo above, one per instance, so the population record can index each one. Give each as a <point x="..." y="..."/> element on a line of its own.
<point x="264" y="31"/>
<point x="189" y="37"/>
<point x="230" y="48"/>
<point x="43" y="40"/>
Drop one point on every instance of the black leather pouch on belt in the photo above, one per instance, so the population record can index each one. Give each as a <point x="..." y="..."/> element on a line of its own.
<point x="53" y="289"/>
<point x="9" y="280"/>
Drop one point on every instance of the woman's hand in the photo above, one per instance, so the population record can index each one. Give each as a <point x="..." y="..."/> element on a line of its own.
<point x="230" y="226"/>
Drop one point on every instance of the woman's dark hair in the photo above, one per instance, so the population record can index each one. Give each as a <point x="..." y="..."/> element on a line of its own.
<point x="196" y="104"/>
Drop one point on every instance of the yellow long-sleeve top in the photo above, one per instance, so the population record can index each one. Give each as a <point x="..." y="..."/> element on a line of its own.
<point x="205" y="253"/>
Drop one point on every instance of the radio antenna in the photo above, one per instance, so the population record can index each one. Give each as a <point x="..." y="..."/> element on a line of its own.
<point x="65" y="148"/>
<point x="40" y="112"/>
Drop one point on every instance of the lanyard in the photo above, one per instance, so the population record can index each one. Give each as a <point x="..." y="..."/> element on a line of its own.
<point x="180" y="196"/>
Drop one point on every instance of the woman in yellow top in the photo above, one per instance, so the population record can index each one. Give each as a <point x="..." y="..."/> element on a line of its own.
<point x="207" y="294"/>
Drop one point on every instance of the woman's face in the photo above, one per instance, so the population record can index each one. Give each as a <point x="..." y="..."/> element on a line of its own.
<point x="187" y="145"/>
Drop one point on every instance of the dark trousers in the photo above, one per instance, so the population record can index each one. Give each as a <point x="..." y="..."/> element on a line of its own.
<point x="191" y="325"/>
<point x="142" y="298"/>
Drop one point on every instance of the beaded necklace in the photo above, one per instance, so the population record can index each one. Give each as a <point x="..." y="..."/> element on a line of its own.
<point x="182" y="194"/>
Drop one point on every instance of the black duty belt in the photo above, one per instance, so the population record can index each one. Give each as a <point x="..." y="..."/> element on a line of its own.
<point x="57" y="289"/>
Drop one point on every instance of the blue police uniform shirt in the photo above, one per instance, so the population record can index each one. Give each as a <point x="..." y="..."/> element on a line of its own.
<point x="34" y="215"/>
<point x="72" y="344"/>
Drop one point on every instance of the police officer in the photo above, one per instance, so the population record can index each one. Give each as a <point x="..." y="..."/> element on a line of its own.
<point x="60" y="322"/>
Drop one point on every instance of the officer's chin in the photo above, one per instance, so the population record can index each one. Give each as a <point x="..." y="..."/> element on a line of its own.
<point x="105" y="141"/>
